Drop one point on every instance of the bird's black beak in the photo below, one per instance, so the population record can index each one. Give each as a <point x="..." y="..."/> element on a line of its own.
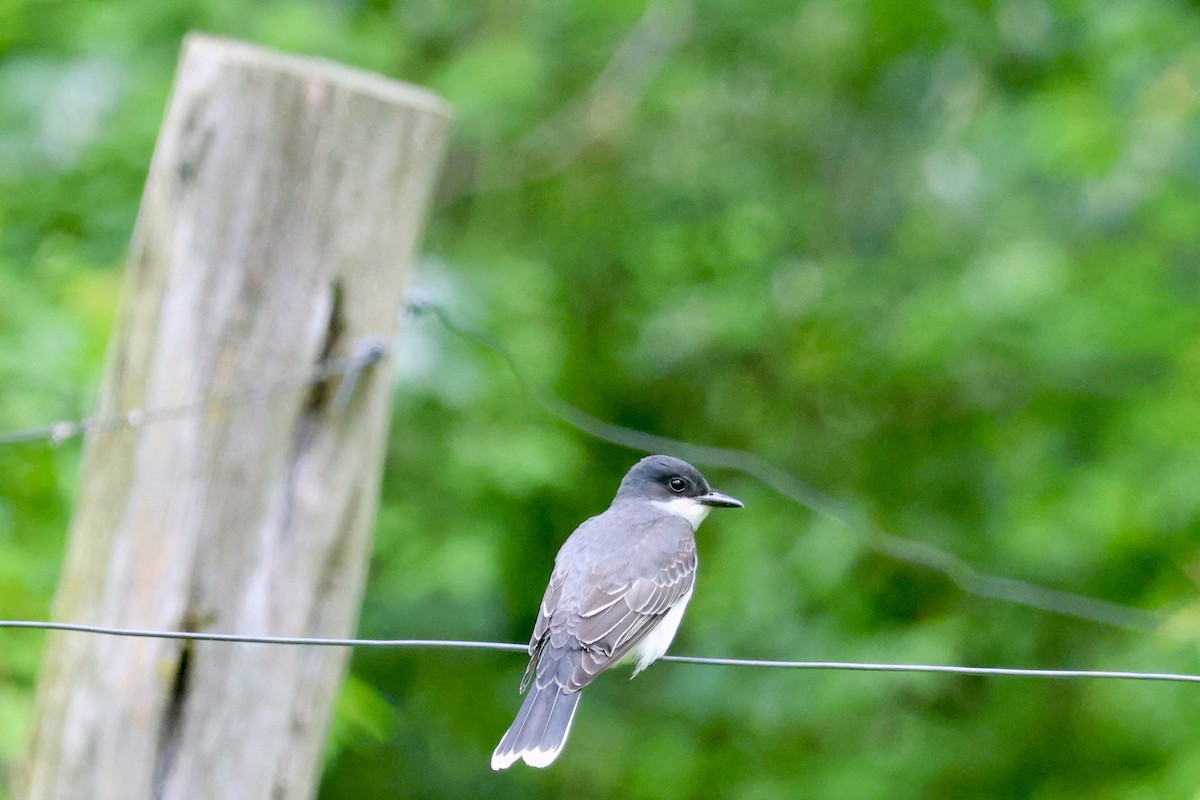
<point x="720" y="500"/>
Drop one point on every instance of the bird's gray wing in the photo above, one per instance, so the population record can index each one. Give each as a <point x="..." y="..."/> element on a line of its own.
<point x="631" y="596"/>
<point x="542" y="627"/>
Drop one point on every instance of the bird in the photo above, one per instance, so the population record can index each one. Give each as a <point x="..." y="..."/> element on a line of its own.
<point x="617" y="593"/>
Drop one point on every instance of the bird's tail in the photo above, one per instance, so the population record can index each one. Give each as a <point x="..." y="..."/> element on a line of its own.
<point x="540" y="730"/>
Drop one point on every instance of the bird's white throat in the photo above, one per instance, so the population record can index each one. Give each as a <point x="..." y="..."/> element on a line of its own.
<point x="689" y="508"/>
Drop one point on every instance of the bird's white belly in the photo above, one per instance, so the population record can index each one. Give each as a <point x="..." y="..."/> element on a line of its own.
<point x="658" y="640"/>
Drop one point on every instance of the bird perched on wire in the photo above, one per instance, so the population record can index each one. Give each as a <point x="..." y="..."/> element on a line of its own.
<point x="618" y="591"/>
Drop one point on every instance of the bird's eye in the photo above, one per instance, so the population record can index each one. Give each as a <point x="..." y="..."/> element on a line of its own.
<point x="677" y="484"/>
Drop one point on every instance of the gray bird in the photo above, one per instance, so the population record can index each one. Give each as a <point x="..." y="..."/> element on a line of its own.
<point x="618" y="591"/>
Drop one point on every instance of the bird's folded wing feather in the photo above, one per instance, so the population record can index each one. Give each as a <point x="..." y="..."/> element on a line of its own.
<point x="541" y="628"/>
<point x="626" y="605"/>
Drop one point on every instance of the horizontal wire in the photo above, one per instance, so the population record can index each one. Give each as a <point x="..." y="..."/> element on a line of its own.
<point x="966" y="577"/>
<point x="1014" y="672"/>
<point x="304" y="641"/>
<point x="463" y="644"/>
<point x="369" y="351"/>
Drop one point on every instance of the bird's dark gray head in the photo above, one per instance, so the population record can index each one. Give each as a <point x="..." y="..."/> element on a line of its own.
<point x="664" y="479"/>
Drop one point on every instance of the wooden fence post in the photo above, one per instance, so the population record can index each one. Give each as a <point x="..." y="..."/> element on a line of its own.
<point x="283" y="206"/>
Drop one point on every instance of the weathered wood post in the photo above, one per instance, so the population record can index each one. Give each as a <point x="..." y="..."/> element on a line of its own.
<point x="283" y="206"/>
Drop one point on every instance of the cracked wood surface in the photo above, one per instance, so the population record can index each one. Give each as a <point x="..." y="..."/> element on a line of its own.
<point x="281" y="213"/>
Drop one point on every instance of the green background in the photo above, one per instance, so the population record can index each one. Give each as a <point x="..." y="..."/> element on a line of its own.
<point x="938" y="259"/>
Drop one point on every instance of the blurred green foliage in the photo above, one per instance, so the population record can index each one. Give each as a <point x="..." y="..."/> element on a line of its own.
<point x="939" y="259"/>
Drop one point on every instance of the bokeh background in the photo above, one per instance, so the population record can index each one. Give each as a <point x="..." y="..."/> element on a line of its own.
<point x="937" y="259"/>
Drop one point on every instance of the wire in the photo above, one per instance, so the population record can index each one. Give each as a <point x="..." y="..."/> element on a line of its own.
<point x="461" y="644"/>
<point x="369" y="351"/>
<point x="304" y="641"/>
<point x="1014" y="672"/>
<point x="593" y="117"/>
<point x="966" y="577"/>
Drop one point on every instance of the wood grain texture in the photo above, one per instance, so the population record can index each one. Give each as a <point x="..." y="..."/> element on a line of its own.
<point x="281" y="213"/>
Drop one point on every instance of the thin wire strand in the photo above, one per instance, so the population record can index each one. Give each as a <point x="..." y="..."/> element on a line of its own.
<point x="369" y="351"/>
<point x="966" y="577"/>
<point x="459" y="644"/>
<point x="565" y="135"/>
<point x="304" y="641"/>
